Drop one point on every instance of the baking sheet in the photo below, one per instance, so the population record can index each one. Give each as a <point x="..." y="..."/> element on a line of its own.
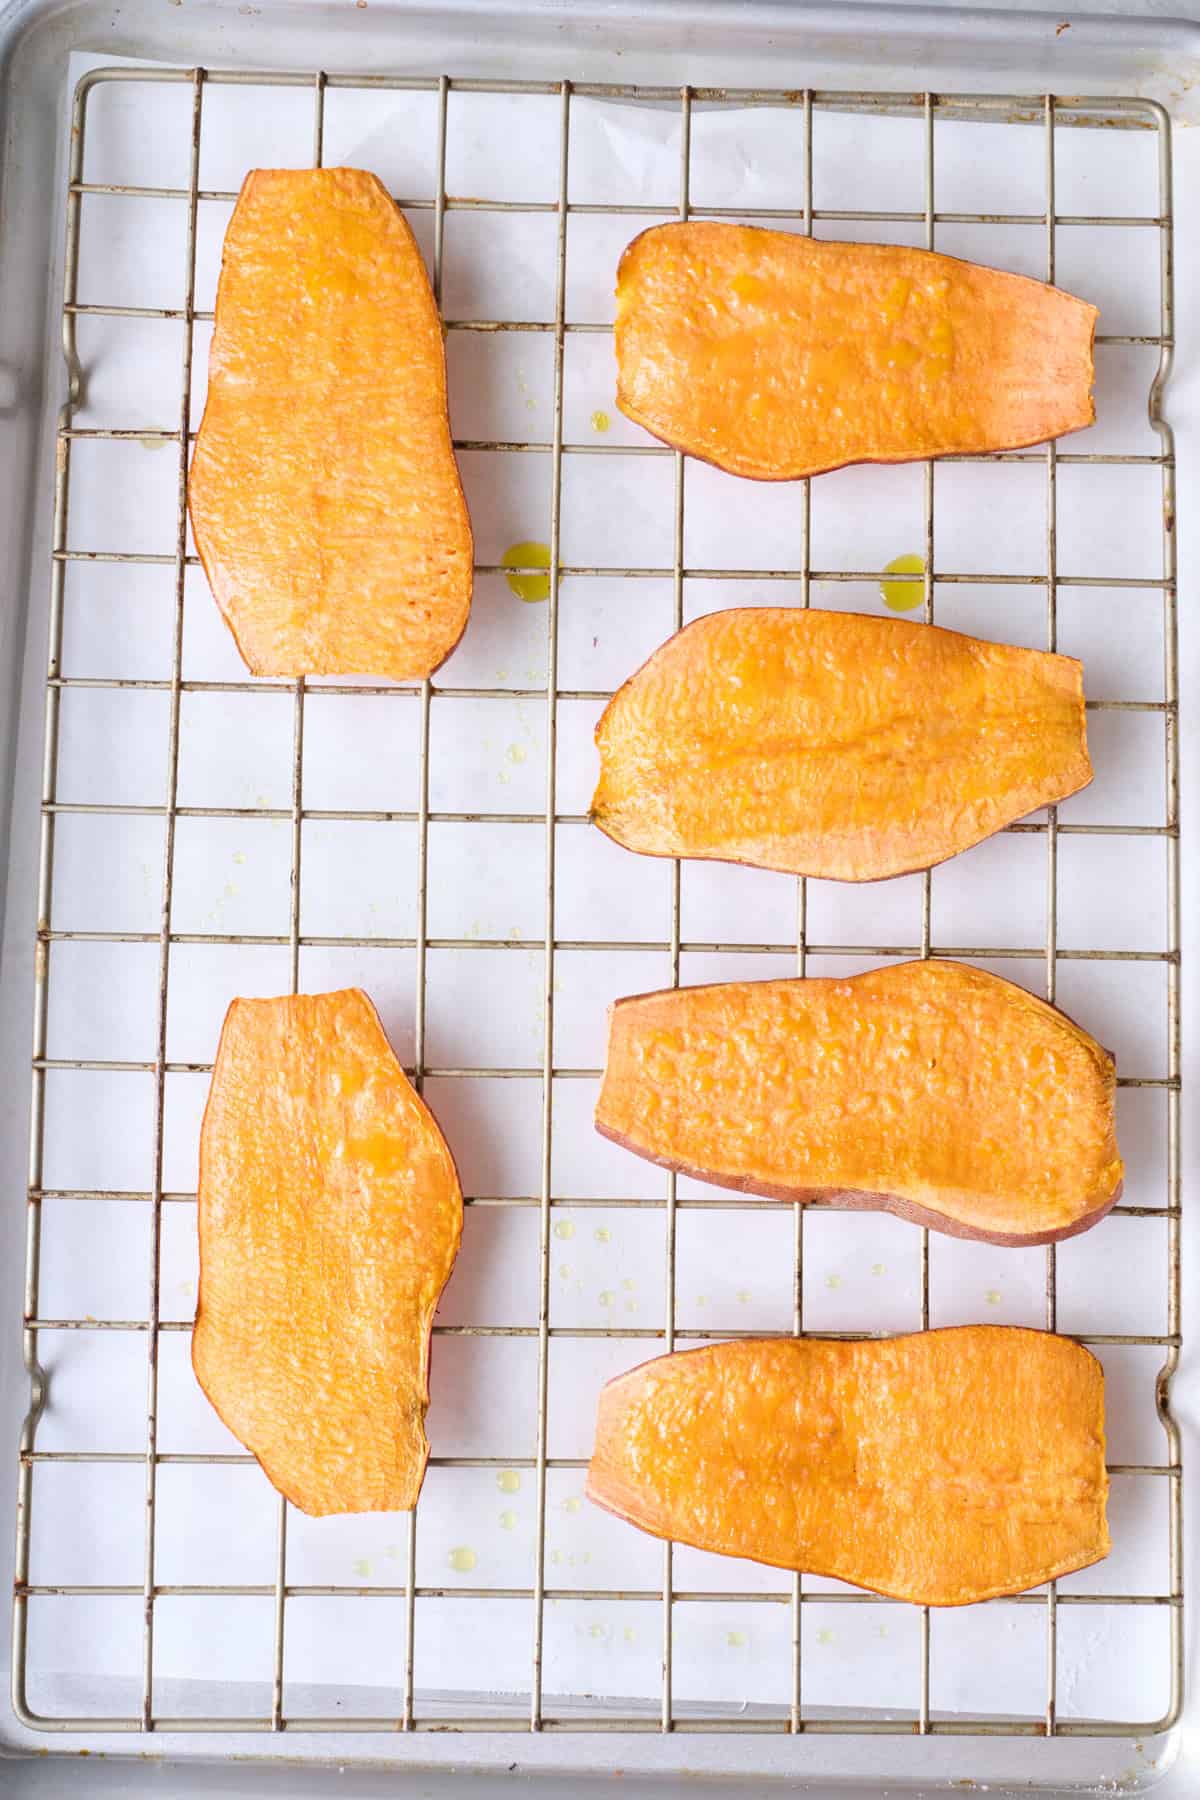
<point x="734" y="1268"/>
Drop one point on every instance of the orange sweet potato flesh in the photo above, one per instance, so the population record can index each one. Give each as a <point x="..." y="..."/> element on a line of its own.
<point x="324" y="495"/>
<point x="833" y="744"/>
<point x="927" y="1089"/>
<point x="330" y="1217"/>
<point x="777" y="356"/>
<point x="940" y="1468"/>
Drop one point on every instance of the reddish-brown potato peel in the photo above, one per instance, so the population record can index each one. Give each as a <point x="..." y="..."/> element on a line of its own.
<point x="941" y="1468"/>
<point x="778" y="356"/>
<point x="928" y="1089"/>
<point x="330" y="1216"/>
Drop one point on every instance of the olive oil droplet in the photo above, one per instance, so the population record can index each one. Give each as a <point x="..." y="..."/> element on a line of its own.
<point x="528" y="556"/>
<point x="903" y="596"/>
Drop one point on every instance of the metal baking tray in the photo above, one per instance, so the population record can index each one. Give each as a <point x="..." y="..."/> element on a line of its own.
<point x="569" y="1700"/>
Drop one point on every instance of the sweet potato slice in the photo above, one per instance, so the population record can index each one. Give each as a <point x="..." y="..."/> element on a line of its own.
<point x="330" y="1217"/>
<point x="324" y="495"/>
<point x="927" y="1089"/>
<point x="941" y="1468"/>
<point x="777" y="356"/>
<point x="833" y="744"/>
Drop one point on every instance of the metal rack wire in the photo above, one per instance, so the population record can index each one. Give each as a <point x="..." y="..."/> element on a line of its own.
<point x="1054" y="115"/>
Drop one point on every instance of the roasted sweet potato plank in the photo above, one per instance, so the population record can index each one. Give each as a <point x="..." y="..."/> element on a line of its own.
<point x="324" y="495"/>
<point x="833" y="744"/>
<point x="778" y="356"/>
<point x="927" y="1089"/>
<point x="941" y="1468"/>
<point x="330" y="1217"/>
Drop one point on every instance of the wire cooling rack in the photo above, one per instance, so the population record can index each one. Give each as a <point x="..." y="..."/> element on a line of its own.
<point x="548" y="1702"/>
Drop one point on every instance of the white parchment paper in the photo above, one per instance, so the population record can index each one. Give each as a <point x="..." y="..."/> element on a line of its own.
<point x="476" y="1526"/>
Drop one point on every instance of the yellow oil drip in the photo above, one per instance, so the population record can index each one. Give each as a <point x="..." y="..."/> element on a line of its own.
<point x="508" y="1521"/>
<point x="462" y="1559"/>
<point x="748" y="287"/>
<point x="903" y="596"/>
<point x="895" y="300"/>
<point x="530" y="588"/>
<point x="600" y="420"/>
<point x="508" y="1481"/>
<point x="564" y="1228"/>
<point x="902" y="355"/>
<point x="383" y="1153"/>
